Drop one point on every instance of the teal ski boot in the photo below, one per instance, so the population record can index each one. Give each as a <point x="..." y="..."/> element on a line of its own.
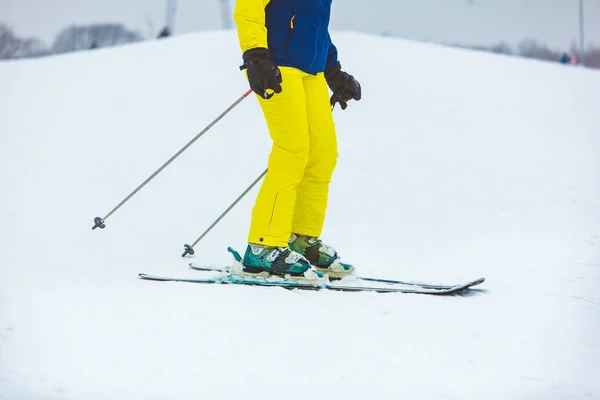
<point x="321" y="256"/>
<point x="264" y="261"/>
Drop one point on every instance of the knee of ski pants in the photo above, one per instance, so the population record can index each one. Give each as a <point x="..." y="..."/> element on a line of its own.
<point x="323" y="153"/>
<point x="323" y="142"/>
<point x="330" y="164"/>
<point x="290" y="152"/>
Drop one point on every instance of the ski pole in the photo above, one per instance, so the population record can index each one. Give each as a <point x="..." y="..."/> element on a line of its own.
<point x="99" y="222"/>
<point x="190" y="249"/>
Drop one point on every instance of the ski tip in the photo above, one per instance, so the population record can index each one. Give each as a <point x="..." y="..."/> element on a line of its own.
<point x="477" y="282"/>
<point x="235" y="254"/>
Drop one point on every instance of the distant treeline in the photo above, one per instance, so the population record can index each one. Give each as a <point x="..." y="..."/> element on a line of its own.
<point x="72" y="38"/>
<point x="530" y="48"/>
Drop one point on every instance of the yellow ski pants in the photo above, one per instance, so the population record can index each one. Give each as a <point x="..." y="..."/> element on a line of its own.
<point x="293" y="195"/>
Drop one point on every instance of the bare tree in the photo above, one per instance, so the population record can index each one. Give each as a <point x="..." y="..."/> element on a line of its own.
<point x="74" y="38"/>
<point x="530" y="48"/>
<point x="12" y="46"/>
<point x="592" y="58"/>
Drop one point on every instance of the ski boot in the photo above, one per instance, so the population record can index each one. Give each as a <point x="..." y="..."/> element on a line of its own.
<point x="321" y="256"/>
<point x="265" y="261"/>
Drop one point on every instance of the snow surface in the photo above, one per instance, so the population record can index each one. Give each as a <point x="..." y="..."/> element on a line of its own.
<point x="455" y="165"/>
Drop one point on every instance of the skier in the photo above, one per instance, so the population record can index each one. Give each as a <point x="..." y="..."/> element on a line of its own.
<point x="164" y="33"/>
<point x="290" y="60"/>
<point x="565" y="59"/>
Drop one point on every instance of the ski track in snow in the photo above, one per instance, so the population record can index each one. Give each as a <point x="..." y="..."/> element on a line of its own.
<point x="457" y="164"/>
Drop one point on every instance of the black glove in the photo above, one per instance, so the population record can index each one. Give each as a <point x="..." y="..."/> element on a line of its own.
<point x="263" y="74"/>
<point x="343" y="86"/>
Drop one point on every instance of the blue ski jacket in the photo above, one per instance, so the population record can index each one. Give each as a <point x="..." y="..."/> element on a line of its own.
<point x="295" y="31"/>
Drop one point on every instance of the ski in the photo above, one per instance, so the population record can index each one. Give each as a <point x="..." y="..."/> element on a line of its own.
<point x="362" y="278"/>
<point x="229" y="279"/>
<point x="238" y="260"/>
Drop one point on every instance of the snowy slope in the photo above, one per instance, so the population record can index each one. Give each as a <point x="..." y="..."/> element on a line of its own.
<point x="455" y="165"/>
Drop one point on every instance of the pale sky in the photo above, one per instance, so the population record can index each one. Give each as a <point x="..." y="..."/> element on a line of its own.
<point x="554" y="22"/>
